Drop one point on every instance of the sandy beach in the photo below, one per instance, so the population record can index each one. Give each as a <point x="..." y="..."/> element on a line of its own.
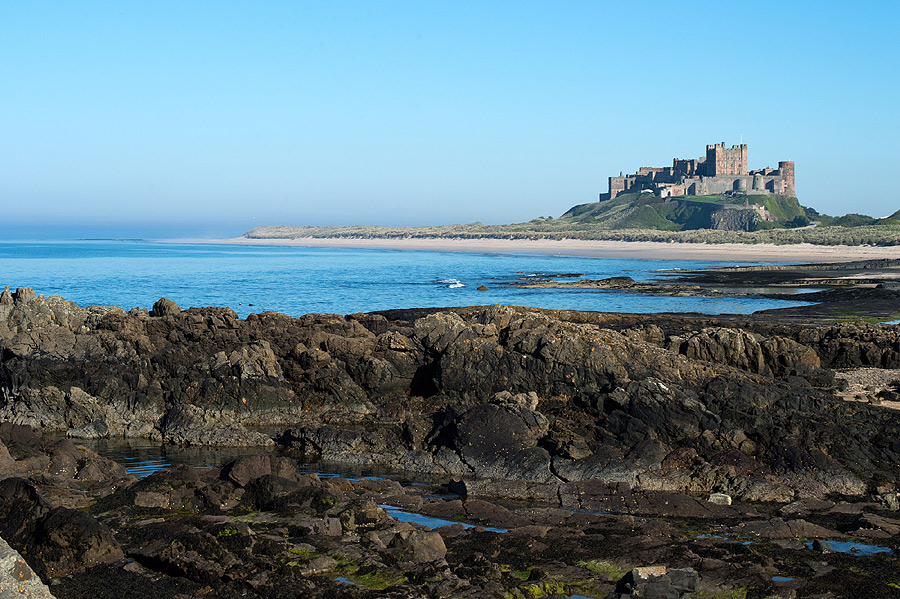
<point x="601" y="249"/>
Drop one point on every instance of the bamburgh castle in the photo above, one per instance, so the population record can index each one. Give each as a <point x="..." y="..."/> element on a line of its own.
<point x="722" y="170"/>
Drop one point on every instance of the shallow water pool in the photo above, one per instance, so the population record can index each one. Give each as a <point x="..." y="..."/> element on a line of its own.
<point x="429" y="521"/>
<point x="853" y="548"/>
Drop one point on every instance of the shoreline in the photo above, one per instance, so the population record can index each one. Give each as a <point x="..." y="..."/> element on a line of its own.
<point x="646" y="250"/>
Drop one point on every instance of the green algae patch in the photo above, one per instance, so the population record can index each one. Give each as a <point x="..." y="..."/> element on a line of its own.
<point x="551" y="586"/>
<point x="604" y="567"/>
<point x="226" y="532"/>
<point x="377" y="580"/>
<point x="524" y="574"/>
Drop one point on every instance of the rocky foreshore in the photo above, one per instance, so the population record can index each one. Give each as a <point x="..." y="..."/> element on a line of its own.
<point x="254" y="527"/>
<point x="634" y="441"/>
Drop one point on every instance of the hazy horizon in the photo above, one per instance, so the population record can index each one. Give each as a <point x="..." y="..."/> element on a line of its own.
<point x="206" y="120"/>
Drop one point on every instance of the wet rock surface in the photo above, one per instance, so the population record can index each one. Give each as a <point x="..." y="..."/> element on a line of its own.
<point x="71" y="474"/>
<point x="599" y="443"/>
<point x="255" y="527"/>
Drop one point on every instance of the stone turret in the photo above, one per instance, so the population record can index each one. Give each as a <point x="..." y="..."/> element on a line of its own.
<point x="786" y="170"/>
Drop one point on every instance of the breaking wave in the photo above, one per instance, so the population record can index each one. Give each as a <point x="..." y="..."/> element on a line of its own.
<point x="451" y="283"/>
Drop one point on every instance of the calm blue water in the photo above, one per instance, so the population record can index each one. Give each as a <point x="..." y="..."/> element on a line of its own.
<point x="297" y="281"/>
<point x="429" y="521"/>
<point x="853" y="547"/>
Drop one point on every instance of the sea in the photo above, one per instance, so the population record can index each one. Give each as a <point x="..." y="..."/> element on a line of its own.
<point x="297" y="280"/>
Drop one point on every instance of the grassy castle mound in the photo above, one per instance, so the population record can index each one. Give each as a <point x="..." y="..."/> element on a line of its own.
<point x="647" y="211"/>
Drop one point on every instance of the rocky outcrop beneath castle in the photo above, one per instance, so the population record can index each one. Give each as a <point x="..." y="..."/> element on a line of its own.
<point x="494" y="394"/>
<point x="735" y="219"/>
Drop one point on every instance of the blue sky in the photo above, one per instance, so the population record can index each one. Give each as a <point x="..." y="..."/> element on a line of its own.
<point x="209" y="118"/>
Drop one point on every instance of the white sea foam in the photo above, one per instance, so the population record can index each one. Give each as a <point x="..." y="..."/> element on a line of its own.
<point x="451" y="283"/>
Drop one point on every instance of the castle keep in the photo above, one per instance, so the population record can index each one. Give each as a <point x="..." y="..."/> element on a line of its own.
<point x="722" y="170"/>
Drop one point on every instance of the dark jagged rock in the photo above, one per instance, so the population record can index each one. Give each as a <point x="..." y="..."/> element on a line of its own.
<point x="851" y="345"/>
<point x="93" y="430"/>
<point x="165" y="307"/>
<point x="773" y="356"/>
<point x="500" y="393"/>
<point x="417" y="546"/>
<point x="656" y="583"/>
<point x="56" y="541"/>
<point x="501" y="443"/>
<point x="616" y="429"/>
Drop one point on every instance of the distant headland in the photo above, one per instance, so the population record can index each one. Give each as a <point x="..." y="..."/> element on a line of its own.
<point x="713" y="199"/>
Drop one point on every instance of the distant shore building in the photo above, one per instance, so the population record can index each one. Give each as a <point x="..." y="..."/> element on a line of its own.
<point x="722" y="170"/>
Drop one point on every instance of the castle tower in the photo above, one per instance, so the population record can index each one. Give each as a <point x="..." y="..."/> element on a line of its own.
<point x="786" y="170"/>
<point x="740" y="159"/>
<point x="726" y="161"/>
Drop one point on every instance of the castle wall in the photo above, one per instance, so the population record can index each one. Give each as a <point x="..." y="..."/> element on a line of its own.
<point x="686" y="167"/>
<point x="749" y="184"/>
<point x="671" y="190"/>
<point x="723" y="170"/>
<point x="712" y="185"/>
<point x="616" y="186"/>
